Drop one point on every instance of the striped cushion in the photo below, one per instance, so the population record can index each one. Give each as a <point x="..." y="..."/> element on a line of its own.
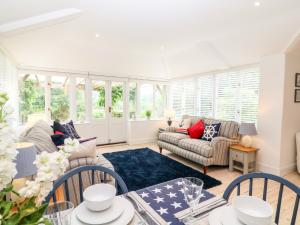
<point x="172" y="138"/>
<point x="196" y="145"/>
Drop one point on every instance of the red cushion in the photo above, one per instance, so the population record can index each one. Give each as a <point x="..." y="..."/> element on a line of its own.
<point x="197" y="130"/>
<point x="58" y="132"/>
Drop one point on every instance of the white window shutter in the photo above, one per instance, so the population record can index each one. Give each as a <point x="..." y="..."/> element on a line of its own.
<point x="205" y="96"/>
<point x="227" y="85"/>
<point x="249" y="95"/>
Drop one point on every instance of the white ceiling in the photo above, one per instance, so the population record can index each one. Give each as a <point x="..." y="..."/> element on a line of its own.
<point x="151" y="38"/>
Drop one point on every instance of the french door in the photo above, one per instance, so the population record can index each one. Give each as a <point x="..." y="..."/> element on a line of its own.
<point x="116" y="113"/>
<point x="108" y="110"/>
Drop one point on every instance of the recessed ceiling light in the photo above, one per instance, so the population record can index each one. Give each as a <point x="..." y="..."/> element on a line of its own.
<point x="256" y="3"/>
<point x="97" y="35"/>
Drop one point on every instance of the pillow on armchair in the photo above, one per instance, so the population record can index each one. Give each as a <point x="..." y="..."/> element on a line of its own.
<point x="84" y="150"/>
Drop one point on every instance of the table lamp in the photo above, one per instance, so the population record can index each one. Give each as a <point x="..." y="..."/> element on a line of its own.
<point x="169" y="114"/>
<point x="24" y="164"/>
<point x="247" y="130"/>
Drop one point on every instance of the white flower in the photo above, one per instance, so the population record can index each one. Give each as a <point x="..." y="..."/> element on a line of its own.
<point x="31" y="189"/>
<point x="7" y="172"/>
<point x="71" y="142"/>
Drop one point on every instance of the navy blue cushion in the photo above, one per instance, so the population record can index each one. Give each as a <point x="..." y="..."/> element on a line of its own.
<point x="58" y="139"/>
<point x="68" y="129"/>
<point x="211" y="131"/>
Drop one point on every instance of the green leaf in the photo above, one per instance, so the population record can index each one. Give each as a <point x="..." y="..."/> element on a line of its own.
<point x="5" y="208"/>
<point x="35" y="216"/>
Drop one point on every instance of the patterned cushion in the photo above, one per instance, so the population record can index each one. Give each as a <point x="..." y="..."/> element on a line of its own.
<point x="71" y="131"/>
<point x="172" y="138"/>
<point x="198" y="146"/>
<point x="229" y="129"/>
<point x="211" y="131"/>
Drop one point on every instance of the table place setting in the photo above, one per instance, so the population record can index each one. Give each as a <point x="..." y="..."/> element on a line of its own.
<point x="245" y="210"/>
<point x="102" y="206"/>
<point x="176" y="202"/>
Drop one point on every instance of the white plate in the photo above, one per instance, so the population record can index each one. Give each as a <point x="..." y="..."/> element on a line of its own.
<point x="124" y="219"/>
<point x="224" y="216"/>
<point x="100" y="217"/>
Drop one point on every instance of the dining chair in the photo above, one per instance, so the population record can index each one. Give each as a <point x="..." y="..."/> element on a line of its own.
<point x="73" y="184"/>
<point x="236" y="184"/>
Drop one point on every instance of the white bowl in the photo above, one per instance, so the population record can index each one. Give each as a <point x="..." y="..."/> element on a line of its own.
<point x="99" y="197"/>
<point x="252" y="210"/>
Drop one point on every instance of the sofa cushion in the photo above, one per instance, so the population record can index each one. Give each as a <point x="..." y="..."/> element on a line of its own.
<point x="40" y="138"/>
<point x="211" y="131"/>
<point x="229" y="129"/>
<point x="172" y="138"/>
<point x="196" y="131"/>
<point x="84" y="150"/>
<point x="198" y="146"/>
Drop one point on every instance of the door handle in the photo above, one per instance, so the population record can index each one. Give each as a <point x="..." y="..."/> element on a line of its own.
<point x="109" y="109"/>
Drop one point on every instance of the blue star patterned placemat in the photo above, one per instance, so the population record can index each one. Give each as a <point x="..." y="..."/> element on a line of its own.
<point x="167" y="199"/>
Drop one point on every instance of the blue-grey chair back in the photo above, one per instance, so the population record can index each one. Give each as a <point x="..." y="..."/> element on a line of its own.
<point x="76" y="180"/>
<point x="236" y="184"/>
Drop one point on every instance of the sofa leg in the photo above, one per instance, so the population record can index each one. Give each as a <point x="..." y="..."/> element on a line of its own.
<point x="160" y="150"/>
<point x="205" y="169"/>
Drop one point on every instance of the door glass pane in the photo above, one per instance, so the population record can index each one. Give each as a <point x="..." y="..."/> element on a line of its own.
<point x="98" y="99"/>
<point x="160" y="100"/>
<point x="146" y="99"/>
<point x="132" y="100"/>
<point x="60" y="103"/>
<point x="80" y="99"/>
<point x="117" y="94"/>
<point x="32" y="98"/>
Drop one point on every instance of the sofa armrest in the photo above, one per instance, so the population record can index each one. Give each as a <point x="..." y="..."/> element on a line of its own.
<point x="220" y="147"/>
<point x="85" y="161"/>
<point x="170" y="129"/>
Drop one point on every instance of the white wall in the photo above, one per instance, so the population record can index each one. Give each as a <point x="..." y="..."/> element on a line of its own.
<point x="144" y="131"/>
<point x="270" y="113"/>
<point x="291" y="115"/>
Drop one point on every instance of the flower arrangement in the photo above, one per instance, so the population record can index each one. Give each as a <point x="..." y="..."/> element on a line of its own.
<point x="29" y="208"/>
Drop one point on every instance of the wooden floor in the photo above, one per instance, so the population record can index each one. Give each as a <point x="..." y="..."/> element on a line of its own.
<point x="223" y="174"/>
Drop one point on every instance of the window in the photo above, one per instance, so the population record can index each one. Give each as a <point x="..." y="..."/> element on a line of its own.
<point x="146" y="99"/>
<point x="59" y="99"/>
<point x="249" y="95"/>
<point x="159" y="100"/>
<point x="183" y="97"/>
<point x="117" y="96"/>
<point x="229" y="95"/>
<point x="132" y="100"/>
<point x="98" y="99"/>
<point x="80" y="99"/>
<point x="205" y="96"/>
<point x="32" y="98"/>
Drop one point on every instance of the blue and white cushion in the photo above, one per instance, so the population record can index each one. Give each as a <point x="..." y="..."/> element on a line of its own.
<point x="211" y="131"/>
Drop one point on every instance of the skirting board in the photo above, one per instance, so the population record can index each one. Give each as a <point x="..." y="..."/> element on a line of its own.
<point x="277" y="171"/>
<point x="141" y="141"/>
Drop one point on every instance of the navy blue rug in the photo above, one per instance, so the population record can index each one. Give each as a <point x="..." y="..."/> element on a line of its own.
<point x="144" y="167"/>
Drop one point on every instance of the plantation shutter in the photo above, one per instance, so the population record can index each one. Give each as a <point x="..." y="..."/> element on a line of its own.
<point x="205" y="96"/>
<point x="183" y="97"/>
<point x="249" y="94"/>
<point x="227" y="101"/>
<point x="189" y="97"/>
<point x="176" y="99"/>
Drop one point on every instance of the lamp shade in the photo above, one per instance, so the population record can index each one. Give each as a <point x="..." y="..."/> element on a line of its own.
<point x="169" y="113"/>
<point x="24" y="160"/>
<point x="248" y="129"/>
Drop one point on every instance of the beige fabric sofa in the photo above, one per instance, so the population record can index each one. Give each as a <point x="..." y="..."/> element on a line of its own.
<point x="203" y="152"/>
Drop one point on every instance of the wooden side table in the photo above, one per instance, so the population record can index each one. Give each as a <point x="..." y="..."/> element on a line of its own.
<point x="245" y="156"/>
